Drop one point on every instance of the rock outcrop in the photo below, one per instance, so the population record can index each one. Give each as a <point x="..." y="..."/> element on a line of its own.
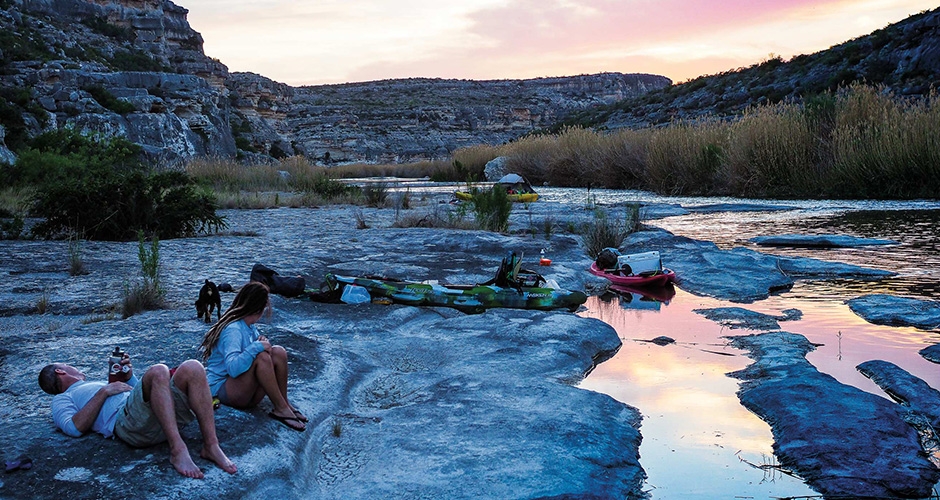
<point x="137" y="69"/>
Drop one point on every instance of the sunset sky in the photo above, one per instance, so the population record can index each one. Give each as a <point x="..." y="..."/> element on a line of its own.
<point x="305" y="42"/>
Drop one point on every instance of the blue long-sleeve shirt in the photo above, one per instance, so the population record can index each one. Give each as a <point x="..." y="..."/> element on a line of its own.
<point x="67" y="404"/>
<point x="233" y="354"/>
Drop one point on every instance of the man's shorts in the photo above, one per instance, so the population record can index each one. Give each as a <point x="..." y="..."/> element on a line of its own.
<point x="137" y="425"/>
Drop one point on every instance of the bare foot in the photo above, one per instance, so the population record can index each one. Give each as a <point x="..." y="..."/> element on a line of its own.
<point x="300" y="416"/>
<point x="183" y="463"/>
<point x="215" y="454"/>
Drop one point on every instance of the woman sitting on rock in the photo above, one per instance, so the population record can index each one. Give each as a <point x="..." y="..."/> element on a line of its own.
<point x="242" y="366"/>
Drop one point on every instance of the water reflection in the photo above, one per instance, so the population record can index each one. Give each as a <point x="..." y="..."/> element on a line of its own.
<point x="695" y="431"/>
<point x="698" y="440"/>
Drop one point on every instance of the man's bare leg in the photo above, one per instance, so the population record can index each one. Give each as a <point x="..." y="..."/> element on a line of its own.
<point x="156" y="387"/>
<point x="190" y="377"/>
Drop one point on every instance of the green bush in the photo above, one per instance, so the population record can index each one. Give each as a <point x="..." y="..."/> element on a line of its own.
<point x="96" y="187"/>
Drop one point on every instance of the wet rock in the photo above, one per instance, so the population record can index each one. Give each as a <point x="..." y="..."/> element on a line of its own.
<point x="891" y="310"/>
<point x="806" y="268"/>
<point x="841" y="440"/>
<point x="739" y="317"/>
<point x="904" y="388"/>
<point x="818" y="241"/>
<point x="931" y="353"/>
<point x="663" y="340"/>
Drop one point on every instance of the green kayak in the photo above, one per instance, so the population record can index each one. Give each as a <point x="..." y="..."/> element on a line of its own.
<point x="512" y="288"/>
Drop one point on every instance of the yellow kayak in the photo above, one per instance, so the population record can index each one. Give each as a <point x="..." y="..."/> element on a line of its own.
<point x="519" y="198"/>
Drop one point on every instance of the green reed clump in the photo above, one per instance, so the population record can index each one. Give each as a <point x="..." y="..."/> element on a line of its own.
<point x="147" y="294"/>
<point x="76" y="261"/>
<point x="604" y="231"/>
<point x="492" y="208"/>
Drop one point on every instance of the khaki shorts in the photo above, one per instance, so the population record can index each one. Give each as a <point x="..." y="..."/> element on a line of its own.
<point x="137" y="425"/>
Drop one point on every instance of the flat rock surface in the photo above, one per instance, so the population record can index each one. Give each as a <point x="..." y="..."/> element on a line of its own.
<point x="841" y="440"/>
<point x="882" y="309"/>
<point x="403" y="401"/>
<point x="739" y="317"/>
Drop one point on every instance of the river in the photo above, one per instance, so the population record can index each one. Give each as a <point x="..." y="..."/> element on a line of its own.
<point x="698" y="441"/>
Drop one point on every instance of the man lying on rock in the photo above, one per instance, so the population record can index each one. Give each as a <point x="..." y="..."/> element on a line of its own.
<point x="141" y="412"/>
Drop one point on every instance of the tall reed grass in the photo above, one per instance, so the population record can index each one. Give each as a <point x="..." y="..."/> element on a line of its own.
<point x="858" y="142"/>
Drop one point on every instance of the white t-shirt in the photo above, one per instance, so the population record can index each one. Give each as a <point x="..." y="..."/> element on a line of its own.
<point x="67" y="404"/>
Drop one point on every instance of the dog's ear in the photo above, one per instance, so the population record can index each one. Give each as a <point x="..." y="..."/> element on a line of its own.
<point x="207" y="282"/>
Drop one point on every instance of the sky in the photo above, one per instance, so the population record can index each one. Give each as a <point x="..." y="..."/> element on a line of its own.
<point x="306" y="42"/>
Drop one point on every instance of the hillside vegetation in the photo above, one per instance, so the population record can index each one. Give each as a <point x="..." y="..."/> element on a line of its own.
<point x="903" y="58"/>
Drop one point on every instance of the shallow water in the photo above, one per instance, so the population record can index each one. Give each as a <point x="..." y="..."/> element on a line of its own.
<point x="698" y="441"/>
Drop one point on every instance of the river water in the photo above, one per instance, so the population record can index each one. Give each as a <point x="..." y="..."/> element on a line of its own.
<point x="698" y="441"/>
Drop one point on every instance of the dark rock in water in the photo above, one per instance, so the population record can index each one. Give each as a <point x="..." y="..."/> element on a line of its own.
<point x="931" y="353"/>
<point x="844" y="442"/>
<point x="891" y="310"/>
<point x="806" y="268"/>
<point x="738" y="317"/>
<point x="904" y="388"/>
<point x="663" y="340"/>
<point x="818" y="241"/>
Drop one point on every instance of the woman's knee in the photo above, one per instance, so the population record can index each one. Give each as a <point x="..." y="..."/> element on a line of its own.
<point x="263" y="358"/>
<point x="278" y="353"/>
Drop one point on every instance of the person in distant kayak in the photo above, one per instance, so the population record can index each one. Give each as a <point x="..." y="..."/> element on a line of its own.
<point x="243" y="366"/>
<point x="142" y="412"/>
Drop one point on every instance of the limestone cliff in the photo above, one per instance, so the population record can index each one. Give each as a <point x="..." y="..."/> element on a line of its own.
<point x="136" y="68"/>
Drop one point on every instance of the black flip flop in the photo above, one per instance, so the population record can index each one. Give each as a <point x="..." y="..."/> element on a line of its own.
<point x="285" y="420"/>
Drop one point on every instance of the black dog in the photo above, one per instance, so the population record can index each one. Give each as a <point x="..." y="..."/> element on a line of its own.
<point x="209" y="299"/>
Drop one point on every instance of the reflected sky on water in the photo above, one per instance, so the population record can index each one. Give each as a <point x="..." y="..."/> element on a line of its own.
<point x="698" y="441"/>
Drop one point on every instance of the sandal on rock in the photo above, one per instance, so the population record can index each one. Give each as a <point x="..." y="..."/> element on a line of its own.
<point x="301" y="417"/>
<point x="286" y="420"/>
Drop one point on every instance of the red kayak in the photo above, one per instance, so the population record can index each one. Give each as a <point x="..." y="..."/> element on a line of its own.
<point x="659" y="278"/>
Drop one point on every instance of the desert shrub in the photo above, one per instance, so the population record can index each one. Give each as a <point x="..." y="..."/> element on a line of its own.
<point x="375" y="193"/>
<point x="136" y="60"/>
<point x="11" y="228"/>
<point x="105" y="98"/>
<point x="95" y="186"/>
<point x="492" y="208"/>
